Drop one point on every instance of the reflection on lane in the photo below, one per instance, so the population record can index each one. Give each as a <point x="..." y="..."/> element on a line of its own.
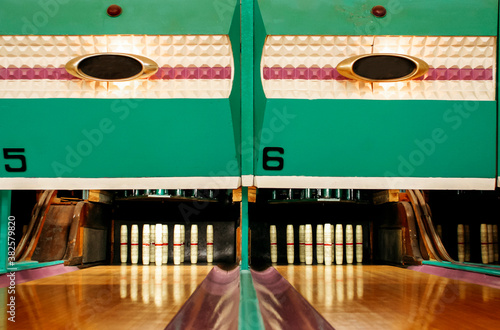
<point x="353" y="296"/>
<point x="107" y="296"/>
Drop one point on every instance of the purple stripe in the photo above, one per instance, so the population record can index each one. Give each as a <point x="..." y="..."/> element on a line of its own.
<point x="316" y="73"/>
<point x="35" y="73"/>
<point x="164" y="73"/>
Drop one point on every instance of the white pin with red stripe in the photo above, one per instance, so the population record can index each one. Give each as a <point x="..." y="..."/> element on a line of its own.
<point x="210" y="243"/>
<point x="359" y="243"/>
<point x="164" y="232"/>
<point x="302" y="246"/>
<point x="134" y="245"/>
<point x="308" y="240"/>
<point x="274" y="244"/>
<point x="159" y="244"/>
<point x="152" y="241"/>
<point x="123" y="243"/>
<point x="145" y="244"/>
<point x="328" y="244"/>
<point x="319" y="244"/>
<point x="183" y="242"/>
<point x="339" y="245"/>
<point x="289" y="244"/>
<point x="349" y="244"/>
<point x="177" y="244"/>
<point x="194" y="244"/>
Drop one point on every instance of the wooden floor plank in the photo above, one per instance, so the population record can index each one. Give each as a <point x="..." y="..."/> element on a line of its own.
<point x="106" y="297"/>
<point x="385" y="297"/>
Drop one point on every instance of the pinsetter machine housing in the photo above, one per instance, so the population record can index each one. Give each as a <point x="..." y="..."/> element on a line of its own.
<point x="119" y="97"/>
<point x="376" y="94"/>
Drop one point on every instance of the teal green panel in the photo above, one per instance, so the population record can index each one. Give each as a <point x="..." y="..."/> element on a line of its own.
<point x="244" y="228"/>
<point x="138" y="17"/>
<point x="5" y="199"/>
<point x="258" y="91"/>
<point x="404" y="17"/>
<point x="362" y="138"/>
<point x="235" y="97"/>
<point x="249" y="317"/>
<point x="247" y="85"/>
<point x="120" y="137"/>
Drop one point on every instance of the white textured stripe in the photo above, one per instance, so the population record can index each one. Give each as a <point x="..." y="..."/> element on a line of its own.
<point x="440" y="52"/>
<point x="222" y="182"/>
<point x="374" y="182"/>
<point x="476" y="90"/>
<point x="437" y="51"/>
<point x="184" y="88"/>
<point x="247" y="180"/>
<point x="165" y="50"/>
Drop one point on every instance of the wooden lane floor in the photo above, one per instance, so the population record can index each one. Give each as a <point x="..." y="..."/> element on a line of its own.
<point x="106" y="297"/>
<point x="385" y="297"/>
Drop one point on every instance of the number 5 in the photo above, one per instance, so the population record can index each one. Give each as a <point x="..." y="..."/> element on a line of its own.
<point x="10" y="153"/>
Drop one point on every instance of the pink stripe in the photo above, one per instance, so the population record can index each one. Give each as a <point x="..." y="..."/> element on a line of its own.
<point x="289" y="243"/>
<point x="194" y="243"/>
<point x="123" y="243"/>
<point x="210" y="243"/>
<point x="274" y="243"/>
<point x="164" y="73"/>
<point x="215" y="73"/>
<point x="316" y="73"/>
<point x="348" y="243"/>
<point x="134" y="244"/>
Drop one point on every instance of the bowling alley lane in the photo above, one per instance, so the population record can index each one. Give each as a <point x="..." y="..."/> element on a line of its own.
<point x="107" y="297"/>
<point x="386" y="297"/>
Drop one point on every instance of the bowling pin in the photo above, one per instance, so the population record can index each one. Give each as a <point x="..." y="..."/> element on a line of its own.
<point x="145" y="244"/>
<point x="359" y="243"/>
<point x="177" y="244"/>
<point x="339" y="245"/>
<point x="495" y="243"/>
<point x="308" y="239"/>
<point x="123" y="243"/>
<point x="183" y="242"/>
<point x="319" y="244"/>
<point x="289" y="244"/>
<point x="349" y="244"/>
<point x="152" y="241"/>
<point x="491" y="255"/>
<point x="461" y="243"/>
<point x="467" y="243"/>
<point x="194" y="244"/>
<point x="159" y="244"/>
<point x="134" y="245"/>
<point x="274" y="242"/>
<point x="333" y="243"/>
<point x="164" y="254"/>
<point x="302" y="246"/>
<point x="210" y="243"/>
<point x="328" y="244"/>
<point x="484" y="243"/>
